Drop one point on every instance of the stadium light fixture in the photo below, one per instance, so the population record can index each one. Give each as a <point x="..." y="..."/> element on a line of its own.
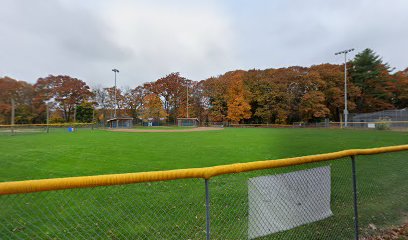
<point x="345" y="82"/>
<point x="116" y="103"/>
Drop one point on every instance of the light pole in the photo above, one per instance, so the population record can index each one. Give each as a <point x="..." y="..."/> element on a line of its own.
<point x="187" y="99"/>
<point x="13" y="109"/>
<point x="114" y="111"/>
<point x="47" y="103"/>
<point x="345" y="82"/>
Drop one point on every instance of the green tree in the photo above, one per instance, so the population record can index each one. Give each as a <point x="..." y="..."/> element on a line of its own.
<point x="371" y="75"/>
<point x="84" y="112"/>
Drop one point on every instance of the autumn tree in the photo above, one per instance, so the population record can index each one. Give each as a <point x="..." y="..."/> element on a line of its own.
<point x="153" y="108"/>
<point x="172" y="89"/>
<point x="269" y="99"/>
<point x="238" y="107"/>
<point x="399" y="89"/>
<point x="333" y="90"/>
<point x="215" y="90"/>
<point x="280" y="96"/>
<point x="65" y="91"/>
<point x="113" y="101"/>
<point x="133" y="101"/>
<point x="312" y="106"/>
<point x="198" y="101"/>
<point x="23" y="94"/>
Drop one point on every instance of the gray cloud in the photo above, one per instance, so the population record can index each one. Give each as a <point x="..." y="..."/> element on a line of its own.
<point x="147" y="40"/>
<point x="43" y="37"/>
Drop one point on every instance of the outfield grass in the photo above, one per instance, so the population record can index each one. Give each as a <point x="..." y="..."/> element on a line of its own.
<point x="176" y="208"/>
<point x="86" y="152"/>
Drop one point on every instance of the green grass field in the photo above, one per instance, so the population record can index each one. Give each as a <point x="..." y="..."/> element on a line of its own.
<point x="175" y="209"/>
<point x="85" y="152"/>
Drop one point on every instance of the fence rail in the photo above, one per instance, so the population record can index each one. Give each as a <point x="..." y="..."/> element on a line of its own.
<point x="17" y="129"/>
<point x="292" y="198"/>
<point x="205" y="173"/>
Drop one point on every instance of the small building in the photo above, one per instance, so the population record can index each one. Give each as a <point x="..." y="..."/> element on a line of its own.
<point x="188" y="122"/>
<point x="120" y="122"/>
<point x="152" y="122"/>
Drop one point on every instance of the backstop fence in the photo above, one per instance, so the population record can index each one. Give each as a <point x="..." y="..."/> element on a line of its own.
<point x="349" y="194"/>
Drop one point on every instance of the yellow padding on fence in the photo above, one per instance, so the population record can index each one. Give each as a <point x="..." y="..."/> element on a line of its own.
<point x="207" y="172"/>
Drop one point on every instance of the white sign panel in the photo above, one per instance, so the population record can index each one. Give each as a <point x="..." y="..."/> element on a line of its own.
<point x="281" y="202"/>
<point x="371" y="125"/>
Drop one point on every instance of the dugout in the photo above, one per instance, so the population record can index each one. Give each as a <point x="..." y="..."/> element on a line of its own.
<point x="120" y="122"/>
<point x="188" y="122"/>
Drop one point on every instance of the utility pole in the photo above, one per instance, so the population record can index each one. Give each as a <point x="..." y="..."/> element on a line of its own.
<point x="13" y="105"/>
<point x="345" y="83"/>
<point x="75" y="112"/>
<point x="48" y="117"/>
<point x="93" y="116"/>
<point x="187" y="100"/>
<point x="116" y="103"/>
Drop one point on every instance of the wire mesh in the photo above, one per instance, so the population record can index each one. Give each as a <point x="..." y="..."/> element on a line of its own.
<point x="23" y="129"/>
<point x="382" y="200"/>
<point x="161" y="210"/>
<point x="19" y="129"/>
<point x="230" y="205"/>
<point x="382" y="184"/>
<point x="316" y="205"/>
<point x="392" y="115"/>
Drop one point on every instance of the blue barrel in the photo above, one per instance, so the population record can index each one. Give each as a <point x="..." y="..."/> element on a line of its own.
<point x="70" y="129"/>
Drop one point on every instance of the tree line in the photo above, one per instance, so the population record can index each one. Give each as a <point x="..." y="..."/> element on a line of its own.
<point x="280" y="96"/>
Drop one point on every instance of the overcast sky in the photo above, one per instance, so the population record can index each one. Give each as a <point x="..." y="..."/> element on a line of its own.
<point x="146" y="40"/>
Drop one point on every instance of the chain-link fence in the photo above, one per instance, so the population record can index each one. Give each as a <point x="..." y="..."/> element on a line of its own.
<point x="303" y="198"/>
<point x="312" y="201"/>
<point x="380" y="124"/>
<point x="391" y="115"/>
<point x="160" y="210"/>
<point x="19" y="129"/>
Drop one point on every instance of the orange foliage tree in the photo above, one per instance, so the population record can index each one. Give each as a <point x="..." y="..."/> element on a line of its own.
<point x="23" y="94"/>
<point x="65" y="91"/>
<point x="238" y="107"/>
<point x="153" y="108"/>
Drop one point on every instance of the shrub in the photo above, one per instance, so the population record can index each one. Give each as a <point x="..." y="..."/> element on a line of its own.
<point x="383" y="124"/>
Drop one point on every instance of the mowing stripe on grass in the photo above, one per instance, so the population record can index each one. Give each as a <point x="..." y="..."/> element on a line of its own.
<point x="206" y="173"/>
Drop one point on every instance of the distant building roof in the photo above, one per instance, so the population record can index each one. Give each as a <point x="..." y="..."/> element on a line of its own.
<point x="120" y="118"/>
<point x="188" y="119"/>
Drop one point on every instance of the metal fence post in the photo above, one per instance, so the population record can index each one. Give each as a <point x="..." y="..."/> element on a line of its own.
<point x="353" y="168"/>
<point x="207" y="209"/>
